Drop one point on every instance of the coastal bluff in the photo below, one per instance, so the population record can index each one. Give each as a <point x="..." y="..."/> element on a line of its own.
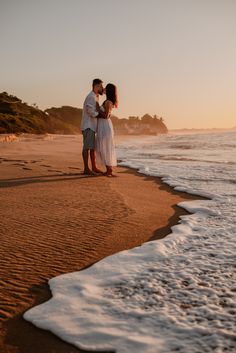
<point x="17" y="116"/>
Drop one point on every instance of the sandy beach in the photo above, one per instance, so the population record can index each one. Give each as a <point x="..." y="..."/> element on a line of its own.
<point x="55" y="220"/>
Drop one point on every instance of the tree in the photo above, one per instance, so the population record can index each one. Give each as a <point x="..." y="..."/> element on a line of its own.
<point x="146" y="119"/>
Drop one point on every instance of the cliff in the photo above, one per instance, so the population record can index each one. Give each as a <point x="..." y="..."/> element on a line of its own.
<point x="17" y="117"/>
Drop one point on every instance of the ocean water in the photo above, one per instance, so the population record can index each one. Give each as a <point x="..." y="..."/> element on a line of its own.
<point x="177" y="294"/>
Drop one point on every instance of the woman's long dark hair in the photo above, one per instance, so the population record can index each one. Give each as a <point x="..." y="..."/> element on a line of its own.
<point x="111" y="93"/>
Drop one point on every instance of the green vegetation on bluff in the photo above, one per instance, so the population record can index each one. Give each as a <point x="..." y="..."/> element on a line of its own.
<point x="19" y="117"/>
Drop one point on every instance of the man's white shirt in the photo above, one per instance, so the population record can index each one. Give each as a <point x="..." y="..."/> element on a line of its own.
<point x="89" y="116"/>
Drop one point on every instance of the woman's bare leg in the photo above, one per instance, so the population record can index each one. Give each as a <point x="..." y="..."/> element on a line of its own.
<point x="109" y="170"/>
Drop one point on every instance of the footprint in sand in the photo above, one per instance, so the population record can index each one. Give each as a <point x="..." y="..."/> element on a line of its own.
<point x="7" y="160"/>
<point x="18" y="164"/>
<point x="74" y="168"/>
<point x="17" y="160"/>
<point x="55" y="171"/>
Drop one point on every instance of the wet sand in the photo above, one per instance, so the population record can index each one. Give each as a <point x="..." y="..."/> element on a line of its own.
<point x="55" y="220"/>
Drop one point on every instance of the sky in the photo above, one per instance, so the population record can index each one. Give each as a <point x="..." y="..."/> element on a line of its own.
<point x="172" y="58"/>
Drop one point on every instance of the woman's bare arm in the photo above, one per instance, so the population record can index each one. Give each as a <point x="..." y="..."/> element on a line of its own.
<point x="108" y="108"/>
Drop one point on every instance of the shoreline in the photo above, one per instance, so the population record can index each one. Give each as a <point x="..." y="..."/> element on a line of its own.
<point x="103" y="216"/>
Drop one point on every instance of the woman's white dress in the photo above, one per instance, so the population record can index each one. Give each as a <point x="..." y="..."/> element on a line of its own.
<point x="105" y="146"/>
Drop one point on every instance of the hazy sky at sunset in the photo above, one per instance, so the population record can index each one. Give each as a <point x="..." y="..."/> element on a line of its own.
<point x="173" y="58"/>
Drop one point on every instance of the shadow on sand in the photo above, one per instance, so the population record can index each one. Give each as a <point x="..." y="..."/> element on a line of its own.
<point x="13" y="182"/>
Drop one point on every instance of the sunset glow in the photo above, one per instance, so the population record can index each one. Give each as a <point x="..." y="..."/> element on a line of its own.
<point x="173" y="58"/>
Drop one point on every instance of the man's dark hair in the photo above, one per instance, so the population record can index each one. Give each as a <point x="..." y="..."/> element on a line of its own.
<point x="96" y="81"/>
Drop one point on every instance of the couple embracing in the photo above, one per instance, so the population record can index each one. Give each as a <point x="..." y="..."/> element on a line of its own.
<point x="97" y="129"/>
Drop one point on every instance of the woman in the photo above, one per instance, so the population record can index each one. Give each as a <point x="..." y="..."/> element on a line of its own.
<point x="105" y="148"/>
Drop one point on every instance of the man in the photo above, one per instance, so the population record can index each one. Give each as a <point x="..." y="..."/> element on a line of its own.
<point x="89" y="126"/>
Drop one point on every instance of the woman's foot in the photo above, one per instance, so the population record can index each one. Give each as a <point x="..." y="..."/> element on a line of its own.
<point x="109" y="172"/>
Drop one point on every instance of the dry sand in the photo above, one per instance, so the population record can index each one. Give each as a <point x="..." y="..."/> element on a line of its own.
<point x="54" y="220"/>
